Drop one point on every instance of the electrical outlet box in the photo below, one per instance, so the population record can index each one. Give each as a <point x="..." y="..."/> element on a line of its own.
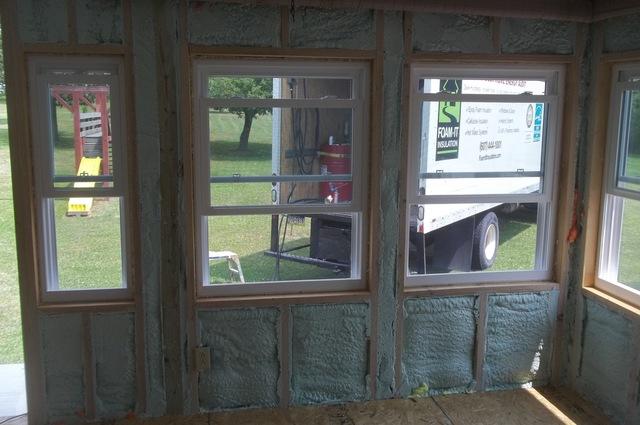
<point x="203" y="358"/>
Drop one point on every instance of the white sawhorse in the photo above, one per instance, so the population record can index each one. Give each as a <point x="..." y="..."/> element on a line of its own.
<point x="233" y="262"/>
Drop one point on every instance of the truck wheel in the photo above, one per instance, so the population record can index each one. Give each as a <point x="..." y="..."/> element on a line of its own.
<point x="486" y="238"/>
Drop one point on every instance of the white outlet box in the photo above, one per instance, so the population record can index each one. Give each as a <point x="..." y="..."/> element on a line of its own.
<point x="203" y="358"/>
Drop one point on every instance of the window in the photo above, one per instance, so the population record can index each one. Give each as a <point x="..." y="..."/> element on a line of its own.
<point x="79" y="158"/>
<point x="619" y="270"/>
<point x="280" y="182"/>
<point x="481" y="174"/>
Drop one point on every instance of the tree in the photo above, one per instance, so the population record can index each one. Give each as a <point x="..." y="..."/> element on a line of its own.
<point x="255" y="88"/>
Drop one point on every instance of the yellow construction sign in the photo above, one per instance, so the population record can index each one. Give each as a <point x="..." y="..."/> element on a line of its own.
<point x="82" y="206"/>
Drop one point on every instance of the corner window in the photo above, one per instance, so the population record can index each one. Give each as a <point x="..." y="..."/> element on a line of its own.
<point x="619" y="270"/>
<point x="80" y="173"/>
<point x="481" y="174"/>
<point x="280" y="182"/>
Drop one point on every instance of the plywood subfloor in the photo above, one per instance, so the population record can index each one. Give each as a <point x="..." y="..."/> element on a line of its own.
<point x="527" y="406"/>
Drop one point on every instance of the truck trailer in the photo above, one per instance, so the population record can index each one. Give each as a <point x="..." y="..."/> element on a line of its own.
<point x="472" y="148"/>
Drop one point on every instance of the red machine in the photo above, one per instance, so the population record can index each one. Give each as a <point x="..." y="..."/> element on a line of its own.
<point x="335" y="159"/>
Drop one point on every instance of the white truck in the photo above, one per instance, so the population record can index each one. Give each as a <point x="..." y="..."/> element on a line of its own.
<point x="472" y="148"/>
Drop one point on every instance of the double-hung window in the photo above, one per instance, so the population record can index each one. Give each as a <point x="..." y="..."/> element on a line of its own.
<point x="280" y="175"/>
<point x="619" y="268"/>
<point x="78" y="132"/>
<point x="481" y="173"/>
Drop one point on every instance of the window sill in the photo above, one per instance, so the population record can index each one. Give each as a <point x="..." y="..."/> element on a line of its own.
<point x="611" y="301"/>
<point x="481" y="288"/>
<point x="271" y="300"/>
<point x="87" y="306"/>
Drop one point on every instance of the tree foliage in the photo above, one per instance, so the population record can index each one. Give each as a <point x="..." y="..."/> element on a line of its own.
<point x="252" y="88"/>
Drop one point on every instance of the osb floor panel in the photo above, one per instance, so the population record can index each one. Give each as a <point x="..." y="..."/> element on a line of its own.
<point x="541" y="406"/>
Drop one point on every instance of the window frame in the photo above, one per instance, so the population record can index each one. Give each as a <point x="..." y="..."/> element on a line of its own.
<point x="41" y="74"/>
<point x="612" y="196"/>
<point x="553" y="75"/>
<point x="359" y="73"/>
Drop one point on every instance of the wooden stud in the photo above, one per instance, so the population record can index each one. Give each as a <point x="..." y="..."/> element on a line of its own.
<point x="402" y="195"/>
<point x="481" y="341"/>
<point x="491" y="58"/>
<point x="25" y="227"/>
<point x="630" y="8"/>
<point x="479" y="289"/>
<point x="566" y="199"/>
<point x="63" y="308"/>
<point x="80" y="49"/>
<point x="89" y="369"/>
<point x="375" y="149"/>
<point x="211" y="52"/>
<point x="285" y="361"/>
<point x="185" y="116"/>
<point x="628" y="56"/>
<point x="133" y="214"/>
<point x="597" y="136"/>
<point x="173" y="273"/>
<point x="271" y="301"/>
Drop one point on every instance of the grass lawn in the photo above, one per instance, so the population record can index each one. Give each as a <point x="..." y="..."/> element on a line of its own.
<point x="10" y="324"/>
<point x="249" y="236"/>
<point x="517" y="250"/>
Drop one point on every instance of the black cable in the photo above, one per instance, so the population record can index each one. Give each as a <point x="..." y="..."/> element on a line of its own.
<point x="12" y="418"/>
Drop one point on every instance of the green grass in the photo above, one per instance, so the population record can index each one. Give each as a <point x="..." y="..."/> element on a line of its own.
<point x="517" y="240"/>
<point x="249" y="236"/>
<point x="10" y="324"/>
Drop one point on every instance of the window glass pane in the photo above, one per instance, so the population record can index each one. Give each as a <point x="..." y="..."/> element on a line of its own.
<point x="248" y="147"/>
<point x="479" y="86"/>
<point x="629" y="154"/>
<point x="259" y="248"/>
<point x="445" y="238"/>
<point x="629" y="266"/>
<point x="81" y="135"/>
<point x="472" y="148"/>
<point x="88" y="245"/>
<point x="269" y="87"/>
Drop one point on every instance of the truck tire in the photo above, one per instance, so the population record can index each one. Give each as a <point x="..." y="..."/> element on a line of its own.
<point x="486" y="238"/>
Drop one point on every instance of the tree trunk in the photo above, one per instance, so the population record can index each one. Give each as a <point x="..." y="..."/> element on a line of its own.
<point x="244" y="136"/>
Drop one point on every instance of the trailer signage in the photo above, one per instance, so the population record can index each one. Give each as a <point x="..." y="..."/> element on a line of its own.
<point x="448" y="132"/>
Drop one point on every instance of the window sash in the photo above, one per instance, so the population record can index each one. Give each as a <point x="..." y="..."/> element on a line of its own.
<point x="46" y="177"/>
<point x="541" y="270"/>
<point x="42" y="73"/>
<point x="613" y="197"/>
<point x="549" y="155"/>
<point x="358" y="73"/>
<point x="616" y="138"/>
<point x="553" y="77"/>
<point x="203" y="160"/>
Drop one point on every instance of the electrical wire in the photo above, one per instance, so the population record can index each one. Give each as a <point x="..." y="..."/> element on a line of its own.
<point x="4" y="421"/>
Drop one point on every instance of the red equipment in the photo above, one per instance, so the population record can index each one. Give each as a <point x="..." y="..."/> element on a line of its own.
<point x="335" y="159"/>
